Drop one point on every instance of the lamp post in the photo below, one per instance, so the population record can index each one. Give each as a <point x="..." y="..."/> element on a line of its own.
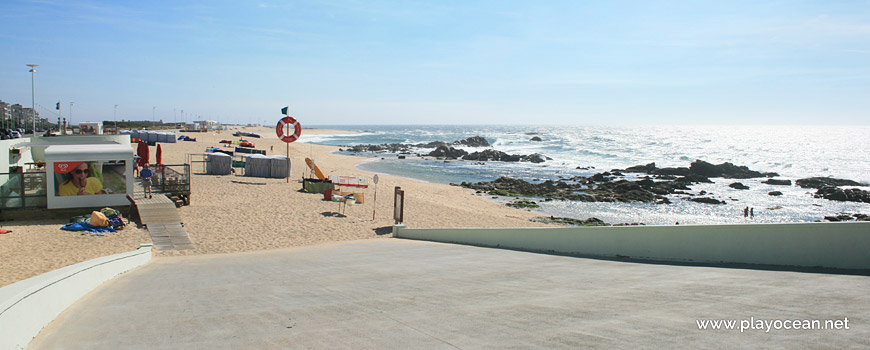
<point x="70" y="117"/>
<point x="116" y="119"/>
<point x="33" y="95"/>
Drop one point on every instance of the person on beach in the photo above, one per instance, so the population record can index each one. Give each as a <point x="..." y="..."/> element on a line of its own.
<point x="752" y="213"/>
<point x="79" y="182"/>
<point x="146" y="175"/>
<point x="746" y="212"/>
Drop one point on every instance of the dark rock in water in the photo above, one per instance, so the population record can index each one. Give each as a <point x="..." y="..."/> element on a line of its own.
<point x="534" y="158"/>
<point x="664" y="201"/>
<point x="475" y="141"/>
<point x="401" y="157"/>
<point x="671" y="171"/>
<point x="523" y="204"/>
<point x="819" y="182"/>
<point x="725" y="170"/>
<point x="491" y="154"/>
<point x="695" y="178"/>
<point x="641" y="168"/>
<point x="774" y="193"/>
<point x="738" y="186"/>
<point x="570" y="221"/>
<point x="862" y="217"/>
<point x="839" y="218"/>
<point x="536" y="139"/>
<point x="706" y="200"/>
<point x="447" y="152"/>
<point x="777" y="182"/>
<point x="839" y="194"/>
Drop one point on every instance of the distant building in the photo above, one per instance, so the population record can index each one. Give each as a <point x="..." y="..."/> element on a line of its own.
<point x="5" y="114"/>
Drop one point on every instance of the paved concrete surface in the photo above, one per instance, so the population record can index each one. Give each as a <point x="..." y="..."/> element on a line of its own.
<point x="397" y="294"/>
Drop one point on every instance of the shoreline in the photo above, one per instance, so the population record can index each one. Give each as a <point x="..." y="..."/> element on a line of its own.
<point x="232" y="213"/>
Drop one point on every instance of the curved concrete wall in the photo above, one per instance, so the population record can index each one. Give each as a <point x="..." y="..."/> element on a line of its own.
<point x="829" y="245"/>
<point x="29" y="305"/>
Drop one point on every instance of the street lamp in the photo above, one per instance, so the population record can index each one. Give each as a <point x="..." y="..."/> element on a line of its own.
<point x="116" y="119"/>
<point x="70" y="116"/>
<point x="153" y="110"/>
<point x="33" y="95"/>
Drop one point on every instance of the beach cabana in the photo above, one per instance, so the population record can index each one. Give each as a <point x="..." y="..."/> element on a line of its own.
<point x="279" y="167"/>
<point x="218" y="164"/>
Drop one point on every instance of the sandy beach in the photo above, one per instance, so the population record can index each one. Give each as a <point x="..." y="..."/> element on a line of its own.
<point x="234" y="213"/>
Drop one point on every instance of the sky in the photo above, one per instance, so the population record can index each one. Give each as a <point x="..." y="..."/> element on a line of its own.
<point x="369" y="62"/>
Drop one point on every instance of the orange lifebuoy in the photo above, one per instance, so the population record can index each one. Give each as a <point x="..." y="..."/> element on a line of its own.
<point x="297" y="129"/>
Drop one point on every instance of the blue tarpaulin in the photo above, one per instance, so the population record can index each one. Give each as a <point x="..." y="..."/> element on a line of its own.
<point x="83" y="226"/>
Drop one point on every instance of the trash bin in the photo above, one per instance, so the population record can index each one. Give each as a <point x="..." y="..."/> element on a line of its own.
<point x="327" y="195"/>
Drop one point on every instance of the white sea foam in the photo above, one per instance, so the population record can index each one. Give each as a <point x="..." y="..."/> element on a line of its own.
<point x="792" y="151"/>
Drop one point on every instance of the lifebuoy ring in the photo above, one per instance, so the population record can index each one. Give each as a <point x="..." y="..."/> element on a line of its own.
<point x="297" y="129"/>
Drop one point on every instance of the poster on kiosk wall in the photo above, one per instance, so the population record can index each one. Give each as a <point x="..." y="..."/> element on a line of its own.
<point x="92" y="176"/>
<point x="85" y="178"/>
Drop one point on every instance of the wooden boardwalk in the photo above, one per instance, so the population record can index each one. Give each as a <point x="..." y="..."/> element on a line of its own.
<point x="160" y="217"/>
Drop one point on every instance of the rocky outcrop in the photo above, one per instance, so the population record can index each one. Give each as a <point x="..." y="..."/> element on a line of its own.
<point x="474" y="141"/>
<point x="571" y="221"/>
<point x="447" y="152"/>
<point x="774" y="193"/>
<point x="725" y="170"/>
<point x="491" y="154"/>
<point x="702" y="169"/>
<point x="707" y="200"/>
<point x="819" y="182"/>
<point x="777" y="182"/>
<point x="738" y="186"/>
<point x="537" y="139"/>
<point x="843" y="195"/>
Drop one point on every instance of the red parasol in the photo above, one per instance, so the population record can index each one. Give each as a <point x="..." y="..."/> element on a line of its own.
<point x="142" y="152"/>
<point x="158" y="156"/>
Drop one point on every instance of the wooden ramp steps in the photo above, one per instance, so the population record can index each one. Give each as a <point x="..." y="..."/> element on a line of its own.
<point x="160" y="216"/>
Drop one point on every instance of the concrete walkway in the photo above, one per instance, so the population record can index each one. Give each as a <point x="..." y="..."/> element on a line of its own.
<point x="397" y="294"/>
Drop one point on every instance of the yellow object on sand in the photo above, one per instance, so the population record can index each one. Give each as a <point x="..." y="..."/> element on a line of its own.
<point x="312" y="166"/>
<point x="98" y="219"/>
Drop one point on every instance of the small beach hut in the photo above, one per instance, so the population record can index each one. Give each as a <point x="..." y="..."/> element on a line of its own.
<point x="258" y="165"/>
<point x="279" y="166"/>
<point x="219" y="164"/>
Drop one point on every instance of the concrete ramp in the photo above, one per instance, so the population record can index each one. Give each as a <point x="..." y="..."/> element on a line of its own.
<point x="399" y="294"/>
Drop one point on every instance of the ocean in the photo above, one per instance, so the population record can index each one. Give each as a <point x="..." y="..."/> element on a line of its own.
<point x="792" y="151"/>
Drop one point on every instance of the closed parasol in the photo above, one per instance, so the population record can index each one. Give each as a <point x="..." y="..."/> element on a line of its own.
<point x="142" y="152"/>
<point x="158" y="156"/>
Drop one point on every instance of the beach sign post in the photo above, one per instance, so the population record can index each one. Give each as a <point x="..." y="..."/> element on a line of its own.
<point x="289" y="136"/>
<point x="375" y="201"/>
<point x="399" y="205"/>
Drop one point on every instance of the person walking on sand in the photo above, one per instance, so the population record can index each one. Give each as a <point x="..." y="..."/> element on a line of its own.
<point x="752" y="213"/>
<point x="146" y="175"/>
<point x="746" y="212"/>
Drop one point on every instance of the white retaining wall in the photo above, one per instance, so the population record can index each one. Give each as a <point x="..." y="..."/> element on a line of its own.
<point x="29" y="305"/>
<point x="829" y="245"/>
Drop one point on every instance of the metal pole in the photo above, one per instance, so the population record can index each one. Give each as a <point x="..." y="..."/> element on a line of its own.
<point x="288" y="155"/>
<point x="153" y="110"/>
<point x="33" y="95"/>
<point x="116" y="119"/>
<point x="70" y="117"/>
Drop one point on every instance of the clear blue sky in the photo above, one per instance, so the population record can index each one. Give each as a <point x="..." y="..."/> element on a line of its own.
<point x="444" y="62"/>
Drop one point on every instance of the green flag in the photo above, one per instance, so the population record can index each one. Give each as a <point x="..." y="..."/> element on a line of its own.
<point x="284" y="110"/>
